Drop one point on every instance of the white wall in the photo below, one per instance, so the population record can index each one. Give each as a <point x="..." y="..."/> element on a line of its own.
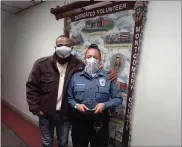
<point x="157" y="108"/>
<point x="25" y="38"/>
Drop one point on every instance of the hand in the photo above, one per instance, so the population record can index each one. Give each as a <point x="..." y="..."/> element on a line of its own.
<point x="112" y="74"/>
<point x="82" y="108"/>
<point x="101" y="67"/>
<point x="41" y="113"/>
<point x="99" y="108"/>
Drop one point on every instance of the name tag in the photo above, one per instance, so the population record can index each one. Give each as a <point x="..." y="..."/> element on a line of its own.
<point x="79" y="84"/>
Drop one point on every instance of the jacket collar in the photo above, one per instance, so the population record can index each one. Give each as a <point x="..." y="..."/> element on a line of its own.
<point x="71" y="63"/>
<point x="98" y="74"/>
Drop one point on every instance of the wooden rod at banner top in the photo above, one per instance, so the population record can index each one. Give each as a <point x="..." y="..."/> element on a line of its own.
<point x="72" y="6"/>
<point x="80" y="9"/>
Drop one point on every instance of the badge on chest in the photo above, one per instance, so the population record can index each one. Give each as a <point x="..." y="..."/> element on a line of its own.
<point x="102" y="82"/>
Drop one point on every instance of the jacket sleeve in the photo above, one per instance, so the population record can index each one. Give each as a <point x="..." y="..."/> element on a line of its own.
<point x="71" y="99"/>
<point x="116" y="98"/>
<point x="32" y="89"/>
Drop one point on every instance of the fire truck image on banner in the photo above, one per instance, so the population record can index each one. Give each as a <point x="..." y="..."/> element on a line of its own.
<point x="100" y="24"/>
<point x="120" y="37"/>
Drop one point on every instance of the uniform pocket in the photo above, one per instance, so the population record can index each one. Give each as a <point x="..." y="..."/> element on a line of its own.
<point x="79" y="91"/>
<point x="103" y="90"/>
<point x="103" y="94"/>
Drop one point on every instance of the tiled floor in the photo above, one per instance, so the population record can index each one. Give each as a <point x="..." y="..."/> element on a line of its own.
<point x="9" y="139"/>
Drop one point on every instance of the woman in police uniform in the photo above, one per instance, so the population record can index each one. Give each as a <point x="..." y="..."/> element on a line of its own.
<point x="91" y="95"/>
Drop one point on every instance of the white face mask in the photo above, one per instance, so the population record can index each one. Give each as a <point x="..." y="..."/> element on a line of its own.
<point x="92" y="66"/>
<point x="63" y="51"/>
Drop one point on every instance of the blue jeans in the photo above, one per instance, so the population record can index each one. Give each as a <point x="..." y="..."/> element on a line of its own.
<point x="47" y="125"/>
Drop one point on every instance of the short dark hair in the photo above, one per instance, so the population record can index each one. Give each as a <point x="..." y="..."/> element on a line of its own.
<point x="63" y="36"/>
<point x="94" y="46"/>
<point x="66" y="36"/>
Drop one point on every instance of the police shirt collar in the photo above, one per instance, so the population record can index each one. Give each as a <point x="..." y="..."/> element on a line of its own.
<point x="99" y="73"/>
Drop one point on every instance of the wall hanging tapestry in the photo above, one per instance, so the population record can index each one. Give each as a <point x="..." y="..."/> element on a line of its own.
<point x="117" y="29"/>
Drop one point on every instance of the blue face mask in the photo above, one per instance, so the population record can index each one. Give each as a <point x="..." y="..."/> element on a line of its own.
<point x="92" y="66"/>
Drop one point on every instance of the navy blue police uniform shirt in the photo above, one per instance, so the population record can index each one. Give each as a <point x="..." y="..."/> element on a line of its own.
<point x="84" y="89"/>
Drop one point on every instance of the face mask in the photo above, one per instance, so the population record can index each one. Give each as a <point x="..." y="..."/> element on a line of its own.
<point x="63" y="60"/>
<point x="92" y="66"/>
<point x="63" y="51"/>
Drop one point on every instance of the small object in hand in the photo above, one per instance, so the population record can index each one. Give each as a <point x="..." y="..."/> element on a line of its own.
<point x="89" y="111"/>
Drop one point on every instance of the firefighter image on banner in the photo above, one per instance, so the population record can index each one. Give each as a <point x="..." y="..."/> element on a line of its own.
<point x="116" y="28"/>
